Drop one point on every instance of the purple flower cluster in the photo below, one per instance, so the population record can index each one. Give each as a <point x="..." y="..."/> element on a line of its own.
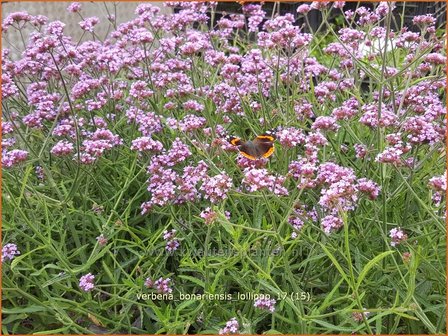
<point x="397" y="236"/>
<point x="255" y="16"/>
<point x="393" y="153"/>
<point x="340" y="189"/>
<point x="189" y="123"/>
<point x="86" y="282"/>
<point x="89" y="23"/>
<point x="361" y="150"/>
<point x="438" y="185"/>
<point x="163" y="285"/>
<point x="172" y="243"/>
<point x="13" y="157"/>
<point x="96" y="145"/>
<point x="102" y="240"/>
<point x="368" y="187"/>
<point x="74" y="7"/>
<point x="325" y="124"/>
<point x="331" y="223"/>
<point x="169" y="187"/>
<point x="259" y="179"/>
<point x="244" y="162"/>
<point x="299" y="217"/>
<point x="216" y="188"/>
<point x="347" y="111"/>
<point x="290" y="137"/>
<point x="40" y="174"/>
<point x="265" y="304"/>
<point x="231" y="327"/>
<point x="62" y="148"/>
<point x="297" y="224"/>
<point x="208" y="215"/>
<point x="146" y="144"/>
<point x="9" y="251"/>
<point x="371" y="118"/>
<point x="139" y="90"/>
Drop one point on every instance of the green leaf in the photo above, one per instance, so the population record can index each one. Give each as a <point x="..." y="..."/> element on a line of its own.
<point x="13" y="318"/>
<point x="29" y="309"/>
<point x="23" y="256"/>
<point x="336" y="263"/>
<point x="39" y="272"/>
<point x="331" y="327"/>
<point x="193" y="279"/>
<point x="369" y="265"/>
<point x="227" y="226"/>
<point x="57" y="278"/>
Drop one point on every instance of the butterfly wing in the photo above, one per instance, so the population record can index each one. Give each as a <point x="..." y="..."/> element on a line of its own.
<point x="265" y="144"/>
<point x="265" y="147"/>
<point x="262" y="146"/>
<point x="234" y="140"/>
<point x="249" y="150"/>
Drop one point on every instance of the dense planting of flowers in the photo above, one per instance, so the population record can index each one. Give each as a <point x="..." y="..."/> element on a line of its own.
<point x="117" y="170"/>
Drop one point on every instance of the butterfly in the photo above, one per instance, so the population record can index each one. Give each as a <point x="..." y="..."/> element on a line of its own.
<point x="261" y="147"/>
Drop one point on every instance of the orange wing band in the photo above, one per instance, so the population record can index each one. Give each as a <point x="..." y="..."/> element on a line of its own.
<point x="268" y="137"/>
<point x="235" y="141"/>
<point x="269" y="152"/>
<point x="250" y="157"/>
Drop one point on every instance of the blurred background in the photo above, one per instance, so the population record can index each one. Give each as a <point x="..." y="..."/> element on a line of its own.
<point x="123" y="11"/>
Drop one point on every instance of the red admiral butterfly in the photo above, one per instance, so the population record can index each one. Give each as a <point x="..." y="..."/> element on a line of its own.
<point x="261" y="147"/>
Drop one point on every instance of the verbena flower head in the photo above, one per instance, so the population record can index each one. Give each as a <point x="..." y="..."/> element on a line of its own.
<point x="325" y="124"/>
<point x="339" y="4"/>
<point x="89" y="23"/>
<point x="244" y="162"/>
<point x="361" y="150"/>
<point x="86" y="282"/>
<point x="265" y="304"/>
<point x="319" y="5"/>
<point x="62" y="148"/>
<point x="74" y="7"/>
<point x="339" y="189"/>
<point x="40" y="174"/>
<point x="163" y="285"/>
<point x="424" y="20"/>
<point x="297" y="223"/>
<point x="303" y="9"/>
<point x="146" y="144"/>
<point x="231" y="327"/>
<point x="331" y="223"/>
<point x="172" y="244"/>
<point x="370" y="188"/>
<point x="259" y="179"/>
<point x="13" y="157"/>
<point x="208" y="215"/>
<point x="290" y="137"/>
<point x="397" y="236"/>
<point x="9" y="251"/>
<point x="102" y="240"/>
<point x="255" y="14"/>
<point x="216" y="188"/>
<point x="149" y="283"/>
<point x="438" y="185"/>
